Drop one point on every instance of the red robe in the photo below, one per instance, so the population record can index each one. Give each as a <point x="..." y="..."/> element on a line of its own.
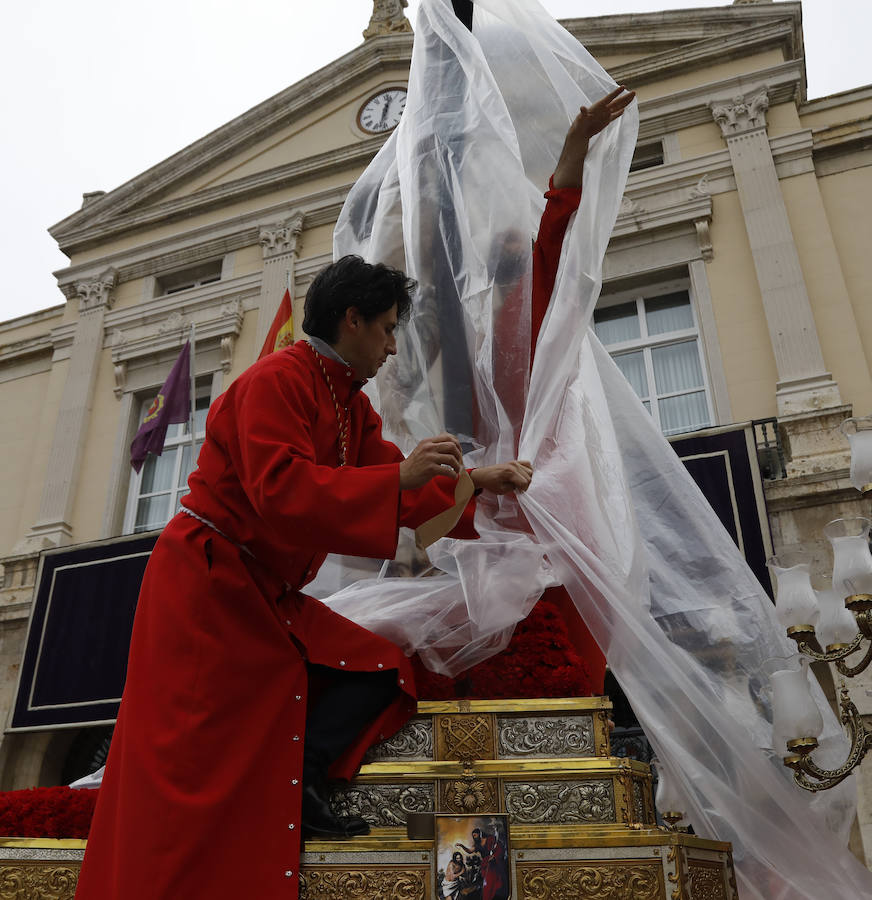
<point x="201" y="795"/>
<point x="493" y="869"/>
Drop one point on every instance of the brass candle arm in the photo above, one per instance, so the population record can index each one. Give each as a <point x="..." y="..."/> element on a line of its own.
<point x="811" y="777"/>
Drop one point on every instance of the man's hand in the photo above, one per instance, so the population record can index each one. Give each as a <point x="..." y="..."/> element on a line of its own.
<point x="440" y="455"/>
<point x="503" y="478"/>
<point x="590" y="121"/>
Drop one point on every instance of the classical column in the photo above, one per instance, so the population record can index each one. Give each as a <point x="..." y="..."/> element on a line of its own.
<point x="804" y="384"/>
<point x="280" y="243"/>
<point x="53" y="526"/>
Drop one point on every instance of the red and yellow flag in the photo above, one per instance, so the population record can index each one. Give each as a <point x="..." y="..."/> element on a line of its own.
<point x="281" y="332"/>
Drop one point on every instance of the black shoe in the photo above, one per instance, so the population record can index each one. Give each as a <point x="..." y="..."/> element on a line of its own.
<point x="319" y="820"/>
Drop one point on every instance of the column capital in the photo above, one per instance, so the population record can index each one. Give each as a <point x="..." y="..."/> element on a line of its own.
<point x="282" y="237"/>
<point x="742" y="113"/>
<point x="97" y="294"/>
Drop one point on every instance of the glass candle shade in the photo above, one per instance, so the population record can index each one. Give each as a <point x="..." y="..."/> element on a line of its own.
<point x="852" y="561"/>
<point x="779" y="740"/>
<point x="667" y="799"/>
<point x="837" y="625"/>
<point x="859" y="434"/>
<point x="794" y="712"/>
<point x="795" y="600"/>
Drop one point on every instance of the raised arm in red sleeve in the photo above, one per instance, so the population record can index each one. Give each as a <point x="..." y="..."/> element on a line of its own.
<point x="562" y="203"/>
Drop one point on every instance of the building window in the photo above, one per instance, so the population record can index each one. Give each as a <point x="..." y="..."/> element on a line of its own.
<point x="155" y="493"/>
<point x="173" y="282"/>
<point x="655" y="342"/>
<point x="647" y="155"/>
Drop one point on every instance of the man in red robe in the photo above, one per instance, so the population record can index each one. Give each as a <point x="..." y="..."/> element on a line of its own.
<point x="221" y="751"/>
<point x="494" y="874"/>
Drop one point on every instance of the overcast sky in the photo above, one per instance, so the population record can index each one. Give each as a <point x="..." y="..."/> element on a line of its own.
<point x="95" y="92"/>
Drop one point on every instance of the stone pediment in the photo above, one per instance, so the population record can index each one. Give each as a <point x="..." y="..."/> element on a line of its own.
<point x="246" y="147"/>
<point x="635" y="36"/>
<point x="269" y="148"/>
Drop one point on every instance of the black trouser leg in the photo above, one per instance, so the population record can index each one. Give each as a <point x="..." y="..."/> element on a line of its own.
<point x="340" y="710"/>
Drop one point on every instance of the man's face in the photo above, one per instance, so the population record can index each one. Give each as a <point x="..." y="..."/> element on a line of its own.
<point x="371" y="343"/>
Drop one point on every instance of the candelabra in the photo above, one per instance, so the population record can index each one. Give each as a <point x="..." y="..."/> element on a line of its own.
<point x="828" y="626"/>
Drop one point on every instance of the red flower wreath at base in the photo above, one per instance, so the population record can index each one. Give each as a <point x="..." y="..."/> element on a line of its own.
<point x="540" y="661"/>
<point x="53" y="812"/>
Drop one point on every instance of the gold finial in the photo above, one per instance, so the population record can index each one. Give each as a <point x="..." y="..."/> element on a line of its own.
<point x="388" y="18"/>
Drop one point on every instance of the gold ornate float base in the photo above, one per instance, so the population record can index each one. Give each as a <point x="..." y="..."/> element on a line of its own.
<point x="582" y="823"/>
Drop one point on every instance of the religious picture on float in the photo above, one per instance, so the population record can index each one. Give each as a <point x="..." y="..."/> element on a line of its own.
<point x="472" y="857"/>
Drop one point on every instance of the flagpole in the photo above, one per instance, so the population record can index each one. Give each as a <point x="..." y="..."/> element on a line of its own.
<point x="193" y="394"/>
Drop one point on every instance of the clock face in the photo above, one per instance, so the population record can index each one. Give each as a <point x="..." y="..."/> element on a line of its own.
<point x="382" y="112"/>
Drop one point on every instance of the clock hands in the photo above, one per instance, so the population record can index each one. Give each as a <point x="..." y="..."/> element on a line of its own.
<point x="385" y="108"/>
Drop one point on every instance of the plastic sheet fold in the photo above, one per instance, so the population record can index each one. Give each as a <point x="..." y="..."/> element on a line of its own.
<point x="454" y="197"/>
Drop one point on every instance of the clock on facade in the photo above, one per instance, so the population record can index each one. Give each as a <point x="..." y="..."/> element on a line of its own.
<point x="382" y="111"/>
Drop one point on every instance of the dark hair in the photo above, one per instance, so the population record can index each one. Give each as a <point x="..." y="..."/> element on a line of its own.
<point x="372" y="288"/>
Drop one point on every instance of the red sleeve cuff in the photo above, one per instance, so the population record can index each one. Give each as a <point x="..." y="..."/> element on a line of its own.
<point x="566" y="194"/>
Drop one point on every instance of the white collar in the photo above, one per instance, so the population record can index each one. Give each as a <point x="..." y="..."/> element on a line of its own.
<point x="326" y="350"/>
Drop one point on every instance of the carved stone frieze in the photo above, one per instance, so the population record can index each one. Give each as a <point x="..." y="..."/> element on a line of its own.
<point x="465" y="737"/>
<point x="414" y="741"/>
<point x="545" y="736"/>
<point x="469" y="795"/>
<point x="741" y="113"/>
<point x="706" y="880"/>
<point x="378" y="883"/>
<point x="38" y="880"/>
<point x="701" y="189"/>
<point x="281" y="238"/>
<point x="635" y="880"/>
<point x="388" y="18"/>
<point x="97" y="294"/>
<point x="175" y="321"/>
<point x="560" y="802"/>
<point x="382" y="804"/>
<point x="630" y="207"/>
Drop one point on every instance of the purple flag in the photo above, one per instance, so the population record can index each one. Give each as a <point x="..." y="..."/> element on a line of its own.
<point x="172" y="404"/>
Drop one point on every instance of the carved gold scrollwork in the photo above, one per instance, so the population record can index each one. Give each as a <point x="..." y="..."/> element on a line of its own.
<point x="469" y="795"/>
<point x="632" y="880"/>
<point x="38" y="881"/>
<point x="465" y="737"/>
<point x="544" y="736"/>
<point x="560" y="802"/>
<point x="603" y="740"/>
<point x="706" y="880"/>
<point x="383" y="805"/>
<point x="678" y="876"/>
<point x="383" y="883"/>
<point x="415" y="741"/>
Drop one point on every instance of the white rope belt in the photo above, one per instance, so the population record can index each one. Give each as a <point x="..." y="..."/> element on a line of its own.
<point x="215" y="528"/>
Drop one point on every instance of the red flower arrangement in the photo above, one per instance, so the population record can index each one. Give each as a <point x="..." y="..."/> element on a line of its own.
<point x="540" y="661"/>
<point x="53" y="812"/>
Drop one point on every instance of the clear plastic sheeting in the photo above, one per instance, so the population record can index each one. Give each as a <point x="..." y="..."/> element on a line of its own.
<point x="454" y="196"/>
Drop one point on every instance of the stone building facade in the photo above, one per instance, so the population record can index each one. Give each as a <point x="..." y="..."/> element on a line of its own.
<point x="744" y="226"/>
